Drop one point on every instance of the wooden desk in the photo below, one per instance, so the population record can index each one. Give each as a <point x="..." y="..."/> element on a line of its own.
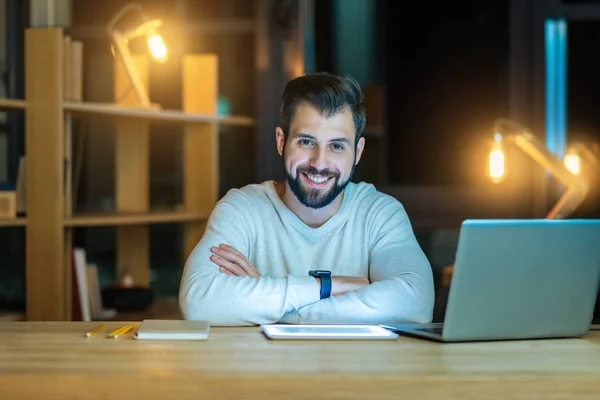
<point x="55" y="360"/>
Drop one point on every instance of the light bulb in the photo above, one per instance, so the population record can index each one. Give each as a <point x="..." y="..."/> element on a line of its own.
<point x="573" y="162"/>
<point x="497" y="160"/>
<point x="157" y="47"/>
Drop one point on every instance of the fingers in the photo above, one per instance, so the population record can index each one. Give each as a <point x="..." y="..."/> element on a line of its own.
<point x="225" y="271"/>
<point x="228" y="266"/>
<point x="234" y="261"/>
<point x="231" y="254"/>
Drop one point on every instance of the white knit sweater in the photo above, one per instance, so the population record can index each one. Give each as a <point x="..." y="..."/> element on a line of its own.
<point x="369" y="236"/>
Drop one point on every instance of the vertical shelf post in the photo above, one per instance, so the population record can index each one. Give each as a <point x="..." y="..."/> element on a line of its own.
<point x="47" y="281"/>
<point x="67" y="142"/>
<point x="72" y="90"/>
<point x="200" y="142"/>
<point x="132" y="177"/>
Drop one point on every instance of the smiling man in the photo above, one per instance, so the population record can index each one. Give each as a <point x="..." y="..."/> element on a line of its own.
<point x="315" y="248"/>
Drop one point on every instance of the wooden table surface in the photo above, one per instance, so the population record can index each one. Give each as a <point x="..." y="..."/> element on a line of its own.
<point x="41" y="360"/>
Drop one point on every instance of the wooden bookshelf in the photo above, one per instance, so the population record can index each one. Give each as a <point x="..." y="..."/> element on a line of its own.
<point x="9" y="316"/>
<point x="13" y="222"/>
<point x="158" y="116"/>
<point x="53" y="79"/>
<point x="15" y="104"/>
<point x="106" y="219"/>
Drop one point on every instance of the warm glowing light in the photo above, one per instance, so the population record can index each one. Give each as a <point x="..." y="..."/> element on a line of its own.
<point x="157" y="47"/>
<point x="573" y="162"/>
<point x="497" y="159"/>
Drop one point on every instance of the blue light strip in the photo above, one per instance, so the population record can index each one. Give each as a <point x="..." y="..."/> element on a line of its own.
<point x="556" y="86"/>
<point x="561" y="92"/>
<point x="550" y="38"/>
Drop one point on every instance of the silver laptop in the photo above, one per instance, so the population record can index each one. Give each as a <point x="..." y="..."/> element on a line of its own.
<point x="519" y="279"/>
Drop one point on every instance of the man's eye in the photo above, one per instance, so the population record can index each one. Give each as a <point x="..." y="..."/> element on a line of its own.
<point x="304" y="142"/>
<point x="337" y="146"/>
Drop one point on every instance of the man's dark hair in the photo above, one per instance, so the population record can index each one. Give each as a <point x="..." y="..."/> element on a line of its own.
<point x="329" y="94"/>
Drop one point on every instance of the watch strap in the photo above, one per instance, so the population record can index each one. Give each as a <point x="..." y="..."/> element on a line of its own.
<point x="325" y="277"/>
<point x="325" y="286"/>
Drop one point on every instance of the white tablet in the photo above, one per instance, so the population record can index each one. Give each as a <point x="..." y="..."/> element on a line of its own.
<point x="368" y="332"/>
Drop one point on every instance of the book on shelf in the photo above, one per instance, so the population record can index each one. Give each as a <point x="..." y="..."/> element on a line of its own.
<point x="81" y="302"/>
<point x="20" y="186"/>
<point x="7" y="205"/>
<point x="87" y="299"/>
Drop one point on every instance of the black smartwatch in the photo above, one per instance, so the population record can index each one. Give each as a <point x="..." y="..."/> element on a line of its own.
<point x="325" y="277"/>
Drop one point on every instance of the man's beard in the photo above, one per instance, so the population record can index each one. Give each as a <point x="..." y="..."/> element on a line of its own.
<point x="316" y="198"/>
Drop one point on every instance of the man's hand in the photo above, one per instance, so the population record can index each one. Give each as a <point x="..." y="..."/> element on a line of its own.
<point x="344" y="284"/>
<point x="232" y="262"/>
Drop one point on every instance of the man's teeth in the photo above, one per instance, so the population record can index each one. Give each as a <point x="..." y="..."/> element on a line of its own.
<point x="317" y="179"/>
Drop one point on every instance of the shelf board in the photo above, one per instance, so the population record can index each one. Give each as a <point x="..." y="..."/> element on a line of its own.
<point x="13" y="222"/>
<point x="133" y="218"/>
<point x="7" y="316"/>
<point x="13" y="103"/>
<point x="217" y="26"/>
<point x="157" y="115"/>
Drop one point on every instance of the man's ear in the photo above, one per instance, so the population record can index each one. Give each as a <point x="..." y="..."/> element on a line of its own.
<point x="359" y="149"/>
<point x="280" y="138"/>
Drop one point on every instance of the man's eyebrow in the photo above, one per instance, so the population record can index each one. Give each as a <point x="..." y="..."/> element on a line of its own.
<point x="307" y="136"/>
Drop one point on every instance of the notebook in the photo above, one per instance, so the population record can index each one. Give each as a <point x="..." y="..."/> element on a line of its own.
<point x="163" y="329"/>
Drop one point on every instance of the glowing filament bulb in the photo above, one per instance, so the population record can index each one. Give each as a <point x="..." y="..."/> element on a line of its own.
<point x="497" y="160"/>
<point x="157" y="47"/>
<point x="573" y="162"/>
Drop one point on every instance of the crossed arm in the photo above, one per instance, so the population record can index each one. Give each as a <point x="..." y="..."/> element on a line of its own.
<point x="221" y="285"/>
<point x="234" y="263"/>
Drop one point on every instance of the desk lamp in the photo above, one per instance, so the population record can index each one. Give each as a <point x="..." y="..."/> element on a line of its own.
<point x="578" y="151"/>
<point x="567" y="172"/>
<point x="149" y="28"/>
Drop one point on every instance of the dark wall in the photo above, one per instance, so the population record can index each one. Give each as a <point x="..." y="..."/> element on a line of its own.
<point x="583" y="97"/>
<point x="447" y="80"/>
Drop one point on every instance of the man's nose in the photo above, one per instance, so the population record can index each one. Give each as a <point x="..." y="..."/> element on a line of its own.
<point x="319" y="159"/>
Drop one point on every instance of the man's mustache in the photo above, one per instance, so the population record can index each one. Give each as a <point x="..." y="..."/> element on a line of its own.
<point x="313" y="171"/>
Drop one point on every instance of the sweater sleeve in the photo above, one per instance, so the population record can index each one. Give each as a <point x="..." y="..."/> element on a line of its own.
<point x="401" y="288"/>
<point x="207" y="294"/>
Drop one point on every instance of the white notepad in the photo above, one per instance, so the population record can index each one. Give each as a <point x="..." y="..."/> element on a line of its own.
<point x="163" y="329"/>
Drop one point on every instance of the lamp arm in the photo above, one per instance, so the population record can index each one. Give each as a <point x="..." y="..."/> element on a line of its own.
<point x="540" y="154"/>
<point x="129" y="7"/>
<point x="125" y="57"/>
<point x="567" y="203"/>
<point x="514" y="125"/>
<point x="589" y="155"/>
<point x="143" y="29"/>
<point x="576" y="188"/>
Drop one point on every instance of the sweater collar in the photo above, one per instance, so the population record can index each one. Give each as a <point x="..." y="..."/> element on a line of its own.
<point x="288" y="216"/>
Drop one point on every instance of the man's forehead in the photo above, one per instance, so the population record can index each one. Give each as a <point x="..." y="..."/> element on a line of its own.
<point x="306" y="110"/>
<point x="308" y="120"/>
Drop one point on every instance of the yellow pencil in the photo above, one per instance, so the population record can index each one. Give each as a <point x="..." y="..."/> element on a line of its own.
<point x="96" y="329"/>
<point x="113" y="333"/>
<point x="123" y="331"/>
